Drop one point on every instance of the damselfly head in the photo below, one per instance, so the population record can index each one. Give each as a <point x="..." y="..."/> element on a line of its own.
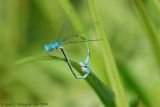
<point x="48" y="48"/>
<point x="84" y="67"/>
<point x="82" y="63"/>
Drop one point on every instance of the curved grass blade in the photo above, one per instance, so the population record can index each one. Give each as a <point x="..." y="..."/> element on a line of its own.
<point x="104" y="92"/>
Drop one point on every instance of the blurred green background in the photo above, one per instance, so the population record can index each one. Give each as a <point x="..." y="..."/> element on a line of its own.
<point x="26" y="25"/>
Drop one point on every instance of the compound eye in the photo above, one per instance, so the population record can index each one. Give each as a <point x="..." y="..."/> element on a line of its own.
<point x="47" y="48"/>
<point x="81" y="63"/>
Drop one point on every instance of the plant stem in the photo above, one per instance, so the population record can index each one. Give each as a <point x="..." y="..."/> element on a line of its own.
<point x="152" y="34"/>
<point x="111" y="68"/>
<point x="155" y="5"/>
<point x="104" y="93"/>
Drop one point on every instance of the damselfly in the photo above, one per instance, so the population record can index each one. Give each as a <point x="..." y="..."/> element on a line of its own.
<point x="59" y="45"/>
<point x="71" y="39"/>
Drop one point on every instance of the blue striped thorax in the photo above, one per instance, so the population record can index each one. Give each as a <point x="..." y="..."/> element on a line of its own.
<point x="52" y="46"/>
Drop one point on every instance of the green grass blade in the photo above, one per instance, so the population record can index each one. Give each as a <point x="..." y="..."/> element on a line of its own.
<point x="152" y="33"/>
<point x="104" y="93"/>
<point x="155" y="5"/>
<point x="111" y="69"/>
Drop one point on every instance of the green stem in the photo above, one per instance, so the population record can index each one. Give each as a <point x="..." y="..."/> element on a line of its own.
<point x="111" y="69"/>
<point x="152" y="34"/>
<point x="155" y="5"/>
<point x="104" y="93"/>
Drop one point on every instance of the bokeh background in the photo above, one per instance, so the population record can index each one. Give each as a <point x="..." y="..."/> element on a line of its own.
<point x="26" y="25"/>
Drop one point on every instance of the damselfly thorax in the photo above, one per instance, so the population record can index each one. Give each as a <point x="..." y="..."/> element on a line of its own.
<point x="50" y="47"/>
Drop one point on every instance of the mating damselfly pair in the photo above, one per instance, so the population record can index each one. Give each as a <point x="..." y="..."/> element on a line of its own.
<point x="81" y="52"/>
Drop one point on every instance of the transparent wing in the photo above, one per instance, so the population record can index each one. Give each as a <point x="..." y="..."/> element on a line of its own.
<point x="65" y="30"/>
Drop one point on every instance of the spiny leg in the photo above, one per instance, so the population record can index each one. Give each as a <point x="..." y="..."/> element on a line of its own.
<point x="51" y="54"/>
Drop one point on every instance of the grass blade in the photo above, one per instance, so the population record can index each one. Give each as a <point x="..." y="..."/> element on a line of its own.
<point x="111" y="69"/>
<point x="104" y="92"/>
<point x="152" y="33"/>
